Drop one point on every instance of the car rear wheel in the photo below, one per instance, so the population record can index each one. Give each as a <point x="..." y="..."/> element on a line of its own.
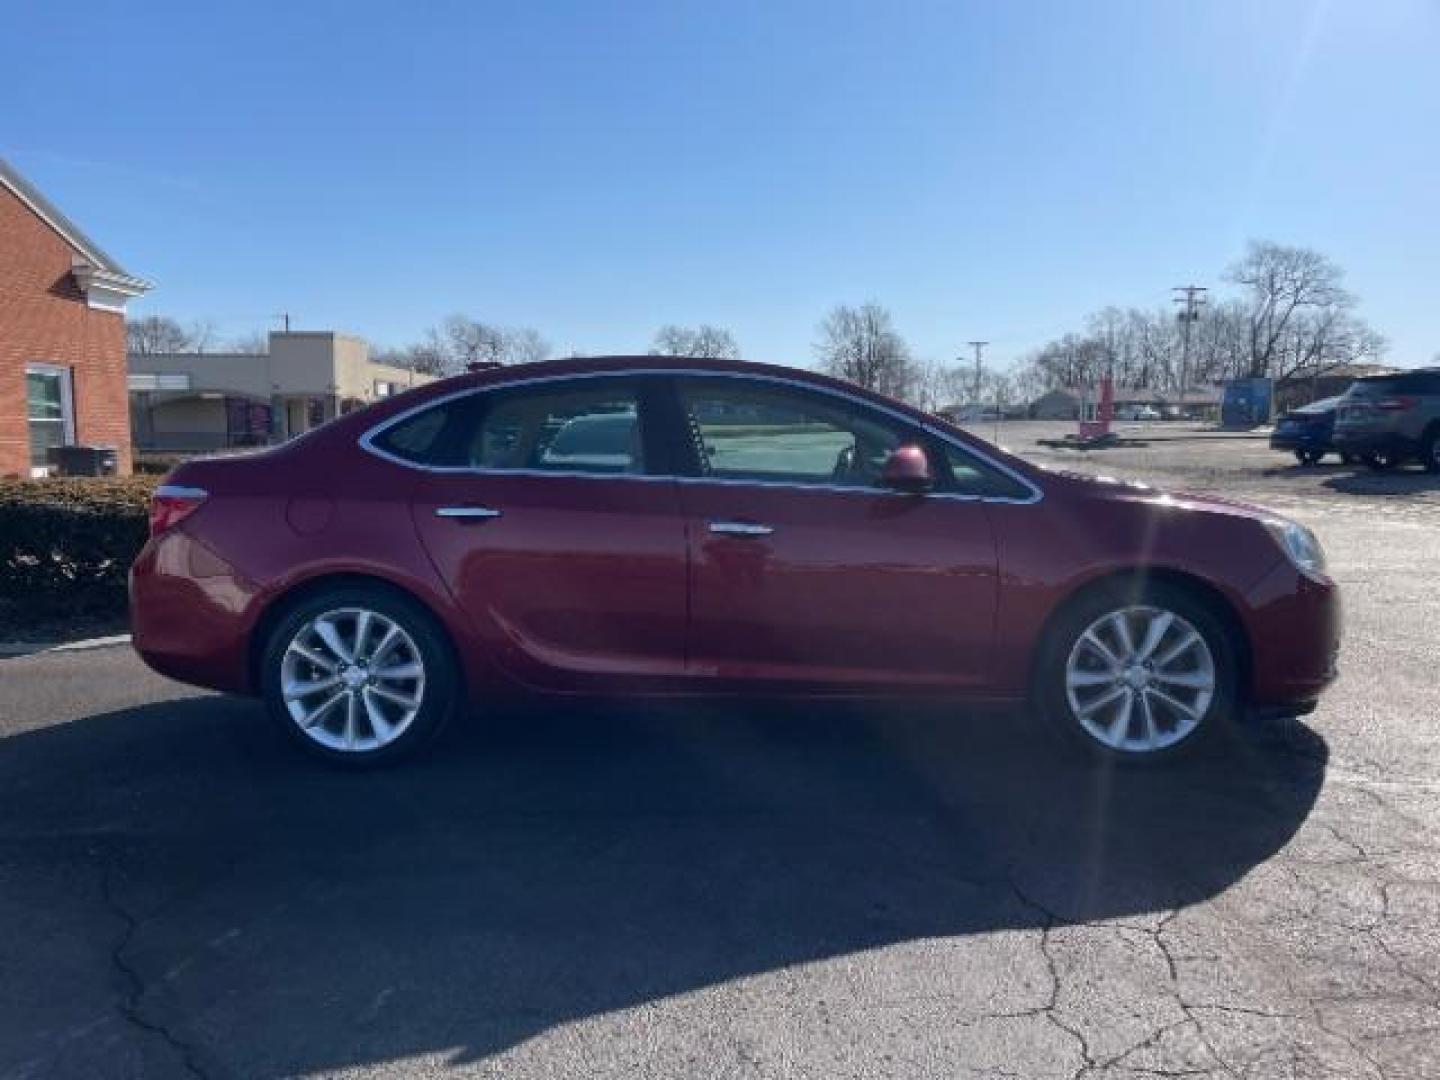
<point x="1349" y="459"/>
<point x="1139" y="675"/>
<point x="1309" y="457"/>
<point x="359" y="676"/>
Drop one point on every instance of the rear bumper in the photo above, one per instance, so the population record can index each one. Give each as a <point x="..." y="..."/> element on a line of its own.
<point x="1375" y="442"/>
<point x="189" y="613"/>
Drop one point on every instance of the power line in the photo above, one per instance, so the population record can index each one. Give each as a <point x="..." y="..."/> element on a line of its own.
<point x="1193" y="300"/>
<point x="977" y="346"/>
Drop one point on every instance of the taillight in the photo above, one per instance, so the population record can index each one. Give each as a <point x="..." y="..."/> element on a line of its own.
<point x="1396" y="404"/>
<point x="172" y="504"/>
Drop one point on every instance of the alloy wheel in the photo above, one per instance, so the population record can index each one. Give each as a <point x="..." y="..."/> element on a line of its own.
<point x="352" y="679"/>
<point x="1140" y="679"/>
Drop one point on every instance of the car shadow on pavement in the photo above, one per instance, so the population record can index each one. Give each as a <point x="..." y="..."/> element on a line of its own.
<point x="1405" y="481"/>
<point x="273" y="916"/>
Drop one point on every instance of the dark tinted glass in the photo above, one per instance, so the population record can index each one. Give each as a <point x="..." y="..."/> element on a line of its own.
<point x="591" y="426"/>
<point x="421" y="438"/>
<point x="1414" y="382"/>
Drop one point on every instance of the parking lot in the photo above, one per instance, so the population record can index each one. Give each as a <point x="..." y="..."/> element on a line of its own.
<point x="715" y="890"/>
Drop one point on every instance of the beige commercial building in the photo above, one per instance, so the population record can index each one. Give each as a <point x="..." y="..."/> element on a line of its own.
<point x="191" y="402"/>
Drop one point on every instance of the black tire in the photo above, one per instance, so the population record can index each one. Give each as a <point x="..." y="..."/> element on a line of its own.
<point x="1430" y="451"/>
<point x="1349" y="459"/>
<point x="1051" y="698"/>
<point x="1382" y="461"/>
<point x="438" y="691"/>
<point x="1309" y="457"/>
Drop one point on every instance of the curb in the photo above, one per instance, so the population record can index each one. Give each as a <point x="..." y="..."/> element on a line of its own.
<point x="13" y="649"/>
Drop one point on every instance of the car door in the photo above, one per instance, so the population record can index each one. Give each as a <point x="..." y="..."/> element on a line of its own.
<point x="805" y="571"/>
<point x="553" y="524"/>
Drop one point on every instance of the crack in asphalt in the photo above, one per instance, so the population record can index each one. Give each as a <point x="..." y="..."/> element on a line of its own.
<point x="129" y="1003"/>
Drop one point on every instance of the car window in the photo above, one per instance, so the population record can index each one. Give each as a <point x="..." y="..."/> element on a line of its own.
<point x="971" y="476"/>
<point x="593" y="428"/>
<point x="1415" y="382"/>
<point x="420" y="438"/>
<point x="753" y="431"/>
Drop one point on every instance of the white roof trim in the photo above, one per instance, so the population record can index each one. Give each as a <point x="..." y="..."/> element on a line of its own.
<point x="104" y="271"/>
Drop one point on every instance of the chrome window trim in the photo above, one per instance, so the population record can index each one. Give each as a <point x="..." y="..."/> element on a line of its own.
<point x="367" y="439"/>
<point x="179" y="491"/>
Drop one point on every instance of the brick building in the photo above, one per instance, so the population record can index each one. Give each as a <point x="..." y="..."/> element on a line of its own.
<point x="62" y="334"/>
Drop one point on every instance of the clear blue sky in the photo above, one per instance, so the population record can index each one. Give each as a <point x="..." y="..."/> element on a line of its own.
<point x="987" y="170"/>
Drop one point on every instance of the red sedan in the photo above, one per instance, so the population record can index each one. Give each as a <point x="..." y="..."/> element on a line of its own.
<point x="651" y="526"/>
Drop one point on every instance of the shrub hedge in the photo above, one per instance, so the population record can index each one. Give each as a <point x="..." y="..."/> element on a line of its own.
<point x="66" y="545"/>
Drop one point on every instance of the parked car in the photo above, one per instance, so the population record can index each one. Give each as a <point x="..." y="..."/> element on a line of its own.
<point x="976" y="413"/>
<point x="1307" y="432"/>
<point x="1389" y="419"/>
<point x="1136" y="412"/>
<point x="712" y="527"/>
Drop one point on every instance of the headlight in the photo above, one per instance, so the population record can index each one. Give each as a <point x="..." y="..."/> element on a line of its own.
<point x="1300" y="544"/>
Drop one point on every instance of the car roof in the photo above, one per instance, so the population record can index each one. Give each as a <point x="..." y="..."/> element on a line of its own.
<point x="597" y="365"/>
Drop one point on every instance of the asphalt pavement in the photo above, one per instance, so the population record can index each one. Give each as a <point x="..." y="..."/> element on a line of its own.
<point x="723" y="890"/>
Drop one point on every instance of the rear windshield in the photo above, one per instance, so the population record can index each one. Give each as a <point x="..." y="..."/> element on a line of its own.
<point x="1415" y="382"/>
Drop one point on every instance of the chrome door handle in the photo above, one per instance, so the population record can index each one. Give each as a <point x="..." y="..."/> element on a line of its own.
<point x="467" y="513"/>
<point x="739" y="528"/>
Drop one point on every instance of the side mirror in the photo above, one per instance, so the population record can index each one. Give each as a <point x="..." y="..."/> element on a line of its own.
<point x="907" y="469"/>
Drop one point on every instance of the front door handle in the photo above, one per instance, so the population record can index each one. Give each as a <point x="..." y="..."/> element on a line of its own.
<point x="739" y="528"/>
<point x="467" y="513"/>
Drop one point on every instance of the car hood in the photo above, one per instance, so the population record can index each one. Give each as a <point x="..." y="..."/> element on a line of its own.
<point x="1109" y="488"/>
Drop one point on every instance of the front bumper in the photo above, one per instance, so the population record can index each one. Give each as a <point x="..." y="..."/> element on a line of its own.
<point x="1295" y="631"/>
<point x="1299" y="440"/>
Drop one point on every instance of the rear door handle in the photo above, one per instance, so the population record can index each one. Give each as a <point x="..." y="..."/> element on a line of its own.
<point x="467" y="513"/>
<point x="739" y="528"/>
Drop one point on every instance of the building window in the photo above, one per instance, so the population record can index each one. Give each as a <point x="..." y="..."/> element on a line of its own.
<point x="49" y="412"/>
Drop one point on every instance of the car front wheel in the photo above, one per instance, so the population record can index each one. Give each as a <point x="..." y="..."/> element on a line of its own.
<point x="359" y="676"/>
<point x="1139" y="675"/>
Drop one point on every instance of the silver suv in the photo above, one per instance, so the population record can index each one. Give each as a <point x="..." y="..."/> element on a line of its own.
<point x="1389" y="419"/>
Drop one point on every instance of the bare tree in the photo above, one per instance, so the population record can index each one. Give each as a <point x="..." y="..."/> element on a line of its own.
<point x="525" y="345"/>
<point x="464" y="342"/>
<point x="461" y="341"/>
<point x="862" y="345"/>
<point x="1282" y="283"/>
<point x="155" y="335"/>
<point x="1292" y="320"/>
<point x="425" y="357"/>
<point x="710" y="342"/>
<point x="254" y="344"/>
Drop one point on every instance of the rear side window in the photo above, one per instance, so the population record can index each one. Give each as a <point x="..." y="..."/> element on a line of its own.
<point x="589" y="426"/>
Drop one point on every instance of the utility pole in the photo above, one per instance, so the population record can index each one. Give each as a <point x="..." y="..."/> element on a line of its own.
<point x="284" y="317"/>
<point x="1193" y="300"/>
<point x="977" y="346"/>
